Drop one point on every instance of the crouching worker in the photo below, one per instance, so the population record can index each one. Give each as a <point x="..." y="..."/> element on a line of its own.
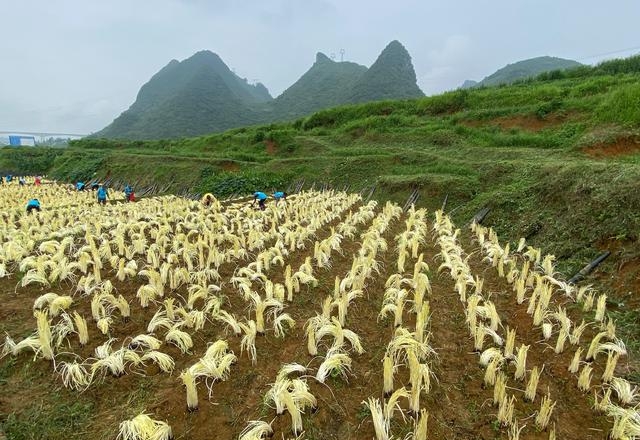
<point x="208" y="200"/>
<point x="280" y="195"/>
<point x="102" y="195"/>
<point x="33" y="204"/>
<point x="261" y="198"/>
<point x="129" y="194"/>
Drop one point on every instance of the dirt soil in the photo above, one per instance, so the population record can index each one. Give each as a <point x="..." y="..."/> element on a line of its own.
<point x="620" y="147"/>
<point x="459" y="405"/>
<point x="230" y="166"/>
<point x="271" y="147"/>
<point x="523" y="122"/>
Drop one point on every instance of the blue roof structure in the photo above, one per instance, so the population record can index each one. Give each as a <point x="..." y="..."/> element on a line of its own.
<point x="17" y="141"/>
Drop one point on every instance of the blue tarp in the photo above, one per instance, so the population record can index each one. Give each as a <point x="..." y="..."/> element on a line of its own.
<point x="16" y="141"/>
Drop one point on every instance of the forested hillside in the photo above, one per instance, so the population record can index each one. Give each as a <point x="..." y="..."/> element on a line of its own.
<point x="202" y="95"/>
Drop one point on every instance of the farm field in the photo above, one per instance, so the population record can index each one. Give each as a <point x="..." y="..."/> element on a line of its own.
<point x="328" y="317"/>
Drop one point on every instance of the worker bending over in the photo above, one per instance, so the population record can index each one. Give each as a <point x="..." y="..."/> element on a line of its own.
<point x="280" y="195"/>
<point x="208" y="200"/>
<point x="33" y="204"/>
<point x="261" y="198"/>
<point x="129" y="194"/>
<point x="102" y="195"/>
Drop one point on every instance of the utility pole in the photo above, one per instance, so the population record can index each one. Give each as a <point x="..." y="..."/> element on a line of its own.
<point x="341" y="55"/>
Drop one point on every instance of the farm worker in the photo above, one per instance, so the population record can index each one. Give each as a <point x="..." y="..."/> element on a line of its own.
<point x="21" y="181"/>
<point x="94" y="186"/>
<point x="261" y="198"/>
<point x="8" y="178"/>
<point x="37" y="181"/>
<point x="128" y="192"/>
<point x="102" y="195"/>
<point x="33" y="204"/>
<point x="208" y="199"/>
<point x="80" y="186"/>
<point x="278" y="195"/>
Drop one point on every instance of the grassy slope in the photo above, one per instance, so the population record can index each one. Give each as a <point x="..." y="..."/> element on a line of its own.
<point x="517" y="149"/>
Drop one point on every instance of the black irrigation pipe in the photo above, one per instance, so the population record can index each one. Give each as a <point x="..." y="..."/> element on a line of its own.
<point x="589" y="267"/>
<point x="480" y="215"/>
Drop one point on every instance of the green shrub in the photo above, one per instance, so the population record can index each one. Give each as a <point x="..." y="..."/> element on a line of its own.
<point x="622" y="106"/>
<point x="450" y="102"/>
<point x="259" y="136"/>
<point x="224" y="184"/>
<point x="28" y="160"/>
<point x="546" y="108"/>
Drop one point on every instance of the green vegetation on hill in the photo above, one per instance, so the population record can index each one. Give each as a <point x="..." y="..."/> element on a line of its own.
<point x="201" y="95"/>
<point x="390" y="77"/>
<point x="325" y="85"/>
<point x="196" y="96"/>
<point x="556" y="158"/>
<point x="522" y="70"/>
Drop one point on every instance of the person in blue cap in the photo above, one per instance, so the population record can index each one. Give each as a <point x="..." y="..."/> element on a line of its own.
<point x="33" y="204"/>
<point x="80" y="186"/>
<point x="280" y="195"/>
<point x="261" y="198"/>
<point x="102" y="195"/>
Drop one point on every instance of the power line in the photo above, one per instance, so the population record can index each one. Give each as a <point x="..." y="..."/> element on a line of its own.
<point x="608" y="53"/>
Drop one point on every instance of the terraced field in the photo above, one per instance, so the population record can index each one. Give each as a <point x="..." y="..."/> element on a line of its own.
<point x="325" y="317"/>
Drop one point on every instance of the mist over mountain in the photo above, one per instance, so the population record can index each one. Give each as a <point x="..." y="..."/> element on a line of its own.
<point x="469" y="83"/>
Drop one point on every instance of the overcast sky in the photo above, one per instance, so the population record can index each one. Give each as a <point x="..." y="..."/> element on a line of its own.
<point x="72" y="66"/>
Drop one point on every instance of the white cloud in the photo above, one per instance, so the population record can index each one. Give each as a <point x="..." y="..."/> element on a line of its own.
<point x="439" y="70"/>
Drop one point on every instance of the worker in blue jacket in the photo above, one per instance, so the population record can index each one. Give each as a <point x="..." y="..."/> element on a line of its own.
<point x="33" y="204"/>
<point x="102" y="195"/>
<point x="80" y="186"/>
<point x="280" y="195"/>
<point x="261" y="198"/>
<point x="128" y="191"/>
